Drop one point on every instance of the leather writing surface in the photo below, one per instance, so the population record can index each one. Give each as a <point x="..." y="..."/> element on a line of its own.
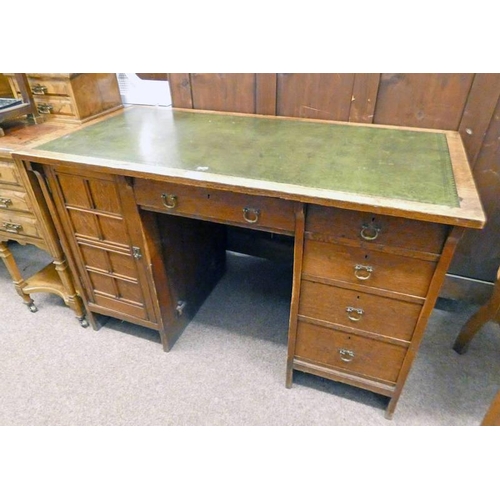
<point x="375" y="161"/>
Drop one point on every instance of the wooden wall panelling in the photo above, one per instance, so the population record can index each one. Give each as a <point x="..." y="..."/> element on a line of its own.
<point x="431" y="100"/>
<point x="364" y="97"/>
<point x="315" y="95"/>
<point x="478" y="112"/>
<point x="478" y="255"/>
<point x="233" y="92"/>
<point x="265" y="93"/>
<point x="180" y="90"/>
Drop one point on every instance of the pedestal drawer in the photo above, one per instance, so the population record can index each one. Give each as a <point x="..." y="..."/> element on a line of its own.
<point x="364" y="311"/>
<point x="259" y="212"/>
<point x="368" y="267"/>
<point x="373" y="228"/>
<point x="348" y="352"/>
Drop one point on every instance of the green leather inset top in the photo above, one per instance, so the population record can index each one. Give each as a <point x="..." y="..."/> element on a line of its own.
<point x="383" y="162"/>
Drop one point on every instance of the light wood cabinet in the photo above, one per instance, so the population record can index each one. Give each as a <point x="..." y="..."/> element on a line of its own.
<point x="25" y="218"/>
<point x="72" y="97"/>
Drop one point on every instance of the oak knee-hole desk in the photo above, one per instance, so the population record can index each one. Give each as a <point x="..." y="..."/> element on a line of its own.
<point x="375" y="214"/>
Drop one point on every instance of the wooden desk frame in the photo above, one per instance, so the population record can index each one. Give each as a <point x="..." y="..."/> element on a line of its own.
<point x="123" y="204"/>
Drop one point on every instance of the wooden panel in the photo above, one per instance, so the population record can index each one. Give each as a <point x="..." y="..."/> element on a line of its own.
<point x="224" y="91"/>
<point x="422" y="100"/>
<point x="478" y="254"/>
<point x="369" y="358"/>
<point x="180" y="90"/>
<point x="390" y="272"/>
<point x="381" y="315"/>
<point x="478" y="112"/>
<point x="364" y="97"/>
<point x="315" y="95"/>
<point x="265" y="93"/>
<point x="8" y="174"/>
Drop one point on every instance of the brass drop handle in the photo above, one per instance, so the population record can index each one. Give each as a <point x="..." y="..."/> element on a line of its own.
<point x="251" y="215"/>
<point x="362" y="272"/>
<point x="346" y="355"/>
<point x="369" y="232"/>
<point x="39" y="89"/>
<point x="354" y="314"/>
<point x="45" y="108"/>
<point x="12" y="228"/>
<point x="5" y="202"/>
<point x="169" y="200"/>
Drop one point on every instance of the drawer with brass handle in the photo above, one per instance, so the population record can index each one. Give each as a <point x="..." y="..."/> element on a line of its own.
<point x="14" y="200"/>
<point x="20" y="225"/>
<point x="351" y="353"/>
<point x="366" y="228"/>
<point x="383" y="270"/>
<point x="49" y="87"/>
<point x="262" y="212"/>
<point x="55" y="105"/>
<point x="8" y="173"/>
<point x="344" y="307"/>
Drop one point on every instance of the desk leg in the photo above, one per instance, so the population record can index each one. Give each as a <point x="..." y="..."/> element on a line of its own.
<point x="298" y="253"/>
<point x="14" y="272"/>
<point x="488" y="312"/>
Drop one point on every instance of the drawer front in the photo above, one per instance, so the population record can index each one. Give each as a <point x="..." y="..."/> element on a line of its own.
<point x="54" y="106"/>
<point x="380" y="315"/>
<point x="368" y="267"/>
<point x="12" y="225"/>
<point x="14" y="200"/>
<point x="378" y="229"/>
<point x="46" y="86"/>
<point x="348" y="352"/>
<point x="260" y="212"/>
<point x="8" y="173"/>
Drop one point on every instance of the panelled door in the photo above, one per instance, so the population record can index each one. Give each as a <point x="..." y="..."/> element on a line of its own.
<point x="108" y="254"/>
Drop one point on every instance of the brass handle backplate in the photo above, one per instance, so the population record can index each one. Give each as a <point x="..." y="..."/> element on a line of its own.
<point x="10" y="227"/>
<point x="5" y="202"/>
<point x="45" y="108"/>
<point x="362" y="272"/>
<point x="354" y="314"/>
<point x="369" y="232"/>
<point x="169" y="200"/>
<point x="251" y="215"/>
<point x="346" y="355"/>
<point x="39" y="89"/>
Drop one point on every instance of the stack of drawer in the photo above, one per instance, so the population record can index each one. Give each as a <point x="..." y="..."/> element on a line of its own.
<point x="17" y="221"/>
<point x="365" y="279"/>
<point x="72" y="97"/>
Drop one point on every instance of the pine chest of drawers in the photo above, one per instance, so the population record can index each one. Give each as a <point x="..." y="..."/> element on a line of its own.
<point x="73" y="97"/>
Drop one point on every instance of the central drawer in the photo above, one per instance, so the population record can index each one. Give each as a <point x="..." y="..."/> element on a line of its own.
<point x="260" y="212"/>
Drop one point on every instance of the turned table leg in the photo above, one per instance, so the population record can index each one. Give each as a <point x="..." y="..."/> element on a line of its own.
<point x="17" y="278"/>
<point x="488" y="312"/>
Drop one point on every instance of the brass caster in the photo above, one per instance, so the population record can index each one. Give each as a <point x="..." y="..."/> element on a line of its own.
<point x="32" y="308"/>
<point x="83" y="322"/>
